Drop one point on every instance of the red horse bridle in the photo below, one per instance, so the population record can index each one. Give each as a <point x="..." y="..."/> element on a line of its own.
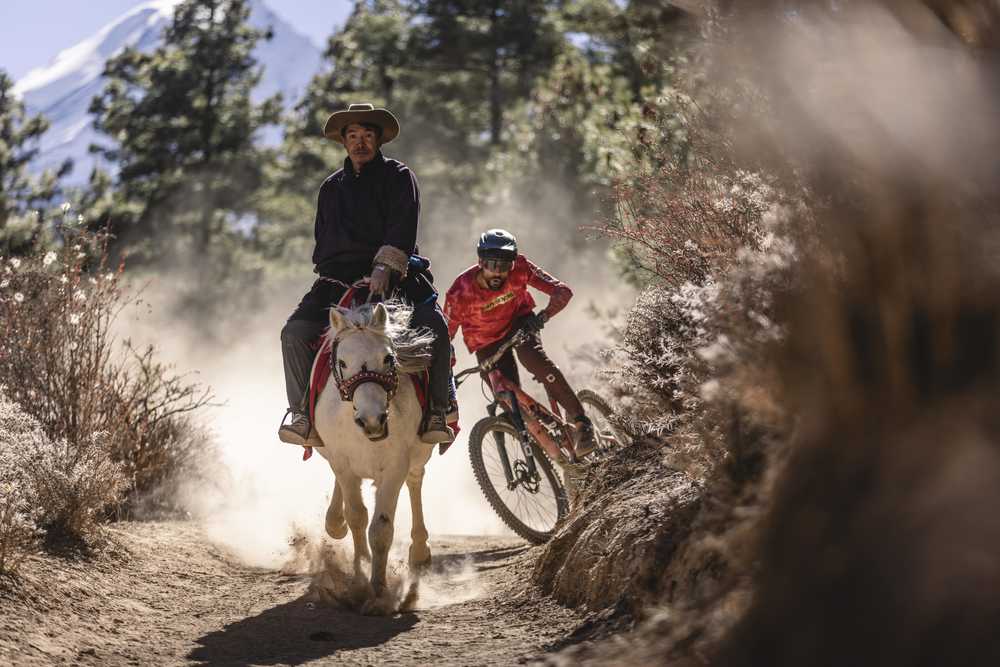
<point x="389" y="380"/>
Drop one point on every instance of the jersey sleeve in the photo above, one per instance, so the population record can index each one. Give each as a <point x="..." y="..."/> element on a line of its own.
<point x="452" y="310"/>
<point x="558" y="292"/>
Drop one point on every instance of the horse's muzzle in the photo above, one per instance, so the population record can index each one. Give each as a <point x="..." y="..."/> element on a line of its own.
<point x="374" y="429"/>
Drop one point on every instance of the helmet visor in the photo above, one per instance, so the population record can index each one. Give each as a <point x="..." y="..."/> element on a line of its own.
<point x="494" y="265"/>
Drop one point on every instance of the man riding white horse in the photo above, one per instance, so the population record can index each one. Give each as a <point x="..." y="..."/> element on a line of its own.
<point x="366" y="224"/>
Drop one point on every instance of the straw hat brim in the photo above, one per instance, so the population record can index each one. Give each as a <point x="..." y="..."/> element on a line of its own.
<point x="381" y="117"/>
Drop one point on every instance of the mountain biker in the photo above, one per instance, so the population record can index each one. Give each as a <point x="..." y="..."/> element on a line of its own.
<point x="366" y="224"/>
<point x="491" y="299"/>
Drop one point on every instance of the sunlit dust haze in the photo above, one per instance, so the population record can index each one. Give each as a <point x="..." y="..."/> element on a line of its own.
<point x="879" y="89"/>
<point x="260" y="494"/>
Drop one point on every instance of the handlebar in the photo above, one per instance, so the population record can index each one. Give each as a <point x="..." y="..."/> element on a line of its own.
<point x="514" y="339"/>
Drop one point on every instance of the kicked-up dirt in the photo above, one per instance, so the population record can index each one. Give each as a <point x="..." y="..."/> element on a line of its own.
<point x="166" y="596"/>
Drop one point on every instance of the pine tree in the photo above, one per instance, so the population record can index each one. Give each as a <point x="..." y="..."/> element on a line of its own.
<point x="640" y="39"/>
<point x="183" y="123"/>
<point x="19" y="191"/>
<point x="494" y="50"/>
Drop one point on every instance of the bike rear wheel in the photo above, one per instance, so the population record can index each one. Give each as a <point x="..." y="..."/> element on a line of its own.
<point x="608" y="434"/>
<point x="536" y="502"/>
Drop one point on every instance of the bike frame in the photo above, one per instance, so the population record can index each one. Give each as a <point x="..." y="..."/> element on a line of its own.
<point x="529" y="417"/>
<point x="546" y="426"/>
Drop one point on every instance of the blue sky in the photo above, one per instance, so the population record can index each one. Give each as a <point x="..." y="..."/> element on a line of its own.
<point x="32" y="32"/>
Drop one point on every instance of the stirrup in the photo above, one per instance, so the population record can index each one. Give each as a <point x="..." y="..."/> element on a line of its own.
<point x="288" y="434"/>
<point x="436" y="437"/>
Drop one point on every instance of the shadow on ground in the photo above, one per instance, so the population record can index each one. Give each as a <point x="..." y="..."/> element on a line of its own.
<point x="482" y="559"/>
<point x="295" y="633"/>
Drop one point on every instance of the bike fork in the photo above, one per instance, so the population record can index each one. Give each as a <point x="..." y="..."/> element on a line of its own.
<point x="524" y="437"/>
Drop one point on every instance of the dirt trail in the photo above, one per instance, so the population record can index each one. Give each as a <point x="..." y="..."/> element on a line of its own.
<point x="171" y="598"/>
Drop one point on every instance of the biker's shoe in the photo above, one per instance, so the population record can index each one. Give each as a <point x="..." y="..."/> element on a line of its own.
<point x="434" y="429"/>
<point x="585" y="440"/>
<point x="297" y="431"/>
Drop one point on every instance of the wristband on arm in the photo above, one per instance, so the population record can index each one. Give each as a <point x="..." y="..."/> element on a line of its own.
<point x="393" y="258"/>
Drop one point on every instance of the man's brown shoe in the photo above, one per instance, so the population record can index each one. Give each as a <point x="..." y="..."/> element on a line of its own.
<point x="435" y="429"/>
<point x="295" y="432"/>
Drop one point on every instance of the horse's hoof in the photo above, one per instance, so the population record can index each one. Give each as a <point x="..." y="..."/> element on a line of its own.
<point x="336" y="530"/>
<point x="379" y="604"/>
<point x="375" y="607"/>
<point x="420" y="560"/>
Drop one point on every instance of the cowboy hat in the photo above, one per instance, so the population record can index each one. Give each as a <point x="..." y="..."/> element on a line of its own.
<point x="362" y="114"/>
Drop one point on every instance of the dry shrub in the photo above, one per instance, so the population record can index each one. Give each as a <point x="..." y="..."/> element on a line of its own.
<point x="73" y="486"/>
<point x="692" y="370"/>
<point x="50" y="487"/>
<point x="709" y="235"/>
<point x="64" y="366"/>
<point x="18" y="530"/>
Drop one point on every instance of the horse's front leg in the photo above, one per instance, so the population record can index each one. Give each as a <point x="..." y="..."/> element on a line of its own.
<point x="420" y="553"/>
<point x="357" y="516"/>
<point x="381" y="530"/>
<point x="336" y="526"/>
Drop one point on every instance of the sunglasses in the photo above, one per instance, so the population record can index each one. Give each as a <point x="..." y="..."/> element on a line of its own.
<point x="496" y="265"/>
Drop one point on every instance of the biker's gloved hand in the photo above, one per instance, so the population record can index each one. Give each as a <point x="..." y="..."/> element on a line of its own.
<point x="534" y="322"/>
<point x="381" y="280"/>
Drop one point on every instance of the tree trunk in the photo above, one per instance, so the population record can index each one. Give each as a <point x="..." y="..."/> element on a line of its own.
<point x="496" y="94"/>
<point x="207" y="130"/>
<point x="387" y="85"/>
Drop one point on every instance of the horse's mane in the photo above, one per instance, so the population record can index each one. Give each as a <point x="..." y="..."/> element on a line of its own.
<point x="412" y="346"/>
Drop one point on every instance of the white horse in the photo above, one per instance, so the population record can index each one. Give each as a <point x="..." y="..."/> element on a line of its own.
<point x="368" y="416"/>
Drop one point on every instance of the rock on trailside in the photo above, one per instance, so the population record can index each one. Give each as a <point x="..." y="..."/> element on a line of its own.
<point x="168" y="597"/>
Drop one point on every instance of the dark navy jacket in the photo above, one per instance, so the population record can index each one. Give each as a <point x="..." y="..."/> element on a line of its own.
<point x="358" y="213"/>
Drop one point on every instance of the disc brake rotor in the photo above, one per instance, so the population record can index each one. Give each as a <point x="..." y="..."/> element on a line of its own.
<point x="523" y="477"/>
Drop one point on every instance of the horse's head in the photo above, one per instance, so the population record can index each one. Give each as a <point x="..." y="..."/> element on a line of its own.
<point x="364" y="365"/>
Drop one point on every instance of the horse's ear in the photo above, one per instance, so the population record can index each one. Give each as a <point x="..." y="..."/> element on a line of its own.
<point x="338" y="321"/>
<point x="379" y="316"/>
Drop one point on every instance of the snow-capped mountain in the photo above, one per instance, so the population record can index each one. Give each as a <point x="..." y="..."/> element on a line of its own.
<point x="62" y="90"/>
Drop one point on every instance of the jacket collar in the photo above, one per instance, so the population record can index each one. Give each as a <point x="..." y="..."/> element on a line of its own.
<point x="374" y="165"/>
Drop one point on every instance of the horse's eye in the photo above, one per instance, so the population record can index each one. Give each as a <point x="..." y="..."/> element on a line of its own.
<point x="389" y="359"/>
<point x="343" y="364"/>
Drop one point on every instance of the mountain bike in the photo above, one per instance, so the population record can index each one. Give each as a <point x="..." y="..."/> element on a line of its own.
<point x="512" y="453"/>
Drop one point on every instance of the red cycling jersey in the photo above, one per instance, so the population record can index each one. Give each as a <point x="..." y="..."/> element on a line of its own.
<point x="486" y="315"/>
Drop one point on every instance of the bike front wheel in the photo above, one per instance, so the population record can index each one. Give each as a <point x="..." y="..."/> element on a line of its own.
<point x="530" y="502"/>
